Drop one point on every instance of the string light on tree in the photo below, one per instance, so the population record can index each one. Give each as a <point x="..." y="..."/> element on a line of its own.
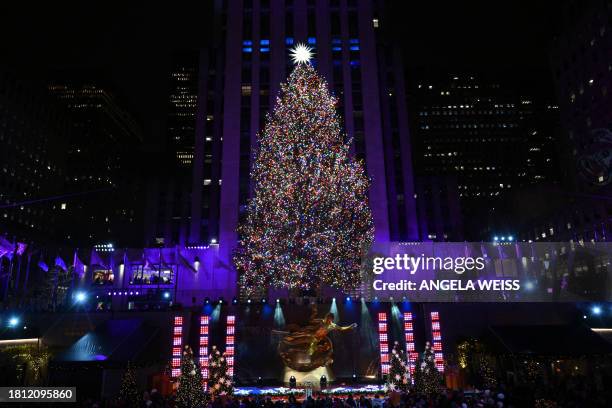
<point x="190" y="392"/>
<point x="309" y="219"/>
<point x="220" y="382"/>
<point x="427" y="378"/>
<point x="399" y="372"/>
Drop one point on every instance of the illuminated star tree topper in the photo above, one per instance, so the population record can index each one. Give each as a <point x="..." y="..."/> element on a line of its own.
<point x="301" y="54"/>
<point x="309" y="219"/>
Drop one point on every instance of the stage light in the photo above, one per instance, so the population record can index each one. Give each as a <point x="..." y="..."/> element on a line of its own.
<point x="213" y="241"/>
<point x="279" y="317"/>
<point x="596" y="310"/>
<point x="166" y="295"/>
<point x="206" y="301"/>
<point x="220" y="301"/>
<point x="584" y="316"/>
<point x="348" y="298"/>
<point x="248" y="300"/>
<point x="495" y="238"/>
<point x="503" y="238"/>
<point x="196" y="263"/>
<point x="510" y="238"/>
<point x="529" y="285"/>
<point x="263" y="300"/>
<point x="13" y="321"/>
<point x="235" y="301"/>
<point x="80" y="297"/>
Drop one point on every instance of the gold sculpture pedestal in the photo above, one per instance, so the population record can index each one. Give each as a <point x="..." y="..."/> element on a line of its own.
<point x="313" y="376"/>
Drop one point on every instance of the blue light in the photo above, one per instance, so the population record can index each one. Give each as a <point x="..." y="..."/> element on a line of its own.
<point x="348" y="298"/>
<point x="247" y="42"/>
<point x="596" y="310"/>
<point x="336" y="41"/>
<point x="247" y="49"/>
<point x="264" y="42"/>
<point x="496" y="238"/>
<point x="336" y="48"/>
<point x="289" y="40"/>
<point x="503" y="238"/>
<point x="13" y="321"/>
<point x="166" y="295"/>
<point x="312" y="40"/>
<point x="80" y="297"/>
<point x="354" y="48"/>
<point x="264" y="49"/>
<point x="510" y="238"/>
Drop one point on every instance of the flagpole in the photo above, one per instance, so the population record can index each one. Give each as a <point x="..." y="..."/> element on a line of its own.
<point x="27" y="277"/>
<point x="9" y="275"/>
<point x="16" y="287"/>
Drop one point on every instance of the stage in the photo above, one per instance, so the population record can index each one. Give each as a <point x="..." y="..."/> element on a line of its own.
<point x="302" y="391"/>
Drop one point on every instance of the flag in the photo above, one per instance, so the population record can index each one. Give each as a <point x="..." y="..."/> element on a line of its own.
<point x="21" y="248"/>
<point x="186" y="263"/>
<point x="59" y="262"/>
<point x="7" y="248"/>
<point x="97" y="260"/>
<point x="6" y="245"/>
<point x="79" y="267"/>
<point x="42" y="265"/>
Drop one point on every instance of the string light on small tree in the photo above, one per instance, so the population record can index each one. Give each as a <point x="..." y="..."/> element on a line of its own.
<point x="190" y="392"/>
<point x="128" y="393"/>
<point x="220" y="382"/>
<point x="427" y="378"/>
<point x="399" y="372"/>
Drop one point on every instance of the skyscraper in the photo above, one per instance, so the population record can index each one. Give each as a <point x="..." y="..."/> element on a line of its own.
<point x="485" y="134"/>
<point x="102" y="181"/>
<point x="239" y="79"/>
<point x="580" y="59"/>
<point x="32" y="169"/>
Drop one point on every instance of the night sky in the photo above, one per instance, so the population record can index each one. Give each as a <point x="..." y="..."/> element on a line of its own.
<point x="129" y="45"/>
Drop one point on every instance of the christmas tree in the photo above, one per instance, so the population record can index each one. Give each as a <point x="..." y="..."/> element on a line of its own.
<point x="190" y="392"/>
<point x="399" y="372"/>
<point x="128" y="393"/>
<point x="220" y="382"/>
<point x="309" y="218"/>
<point x="427" y="378"/>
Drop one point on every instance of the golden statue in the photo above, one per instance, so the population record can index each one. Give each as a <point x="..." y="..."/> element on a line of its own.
<point x="309" y="347"/>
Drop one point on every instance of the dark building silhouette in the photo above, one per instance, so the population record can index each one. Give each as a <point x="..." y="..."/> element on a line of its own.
<point x="32" y="160"/>
<point x="487" y="135"/>
<point x="102" y="182"/>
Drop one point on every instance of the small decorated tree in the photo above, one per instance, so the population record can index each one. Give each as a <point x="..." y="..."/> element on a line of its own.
<point x="220" y="382"/>
<point x="427" y="378"/>
<point x="190" y="393"/>
<point x="399" y="372"/>
<point x="128" y="393"/>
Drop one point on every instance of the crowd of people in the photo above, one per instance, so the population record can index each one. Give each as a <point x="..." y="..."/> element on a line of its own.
<point x="566" y="396"/>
